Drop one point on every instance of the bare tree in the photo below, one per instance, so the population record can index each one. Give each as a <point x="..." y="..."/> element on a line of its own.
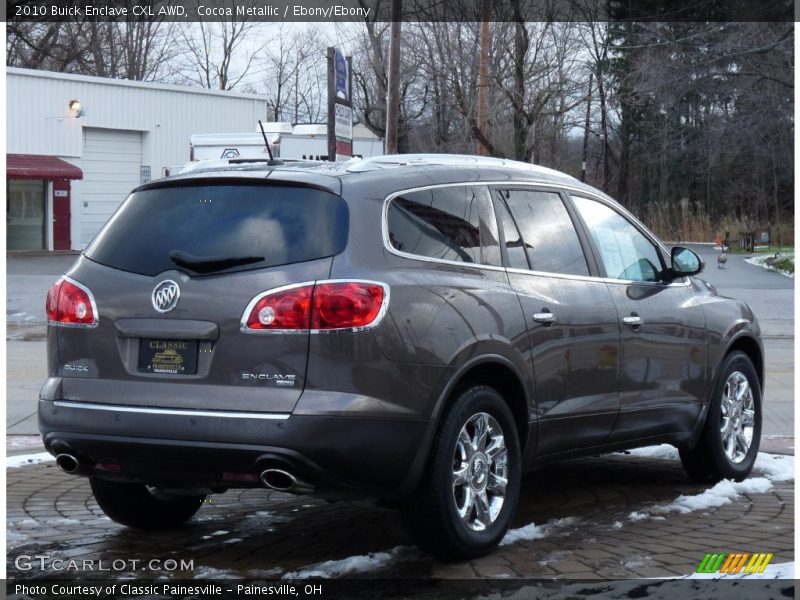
<point x="295" y="75"/>
<point x="217" y="54"/>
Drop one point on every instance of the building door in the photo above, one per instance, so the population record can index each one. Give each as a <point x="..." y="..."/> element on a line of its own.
<point x="25" y="213"/>
<point x="111" y="161"/>
<point x="61" y="215"/>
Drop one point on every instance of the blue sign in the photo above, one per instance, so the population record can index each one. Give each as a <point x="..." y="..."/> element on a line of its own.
<point x="340" y="68"/>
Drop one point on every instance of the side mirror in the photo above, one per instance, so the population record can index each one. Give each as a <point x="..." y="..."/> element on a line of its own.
<point x="685" y="262"/>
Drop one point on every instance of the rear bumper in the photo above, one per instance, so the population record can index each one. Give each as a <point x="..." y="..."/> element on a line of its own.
<point x="338" y="455"/>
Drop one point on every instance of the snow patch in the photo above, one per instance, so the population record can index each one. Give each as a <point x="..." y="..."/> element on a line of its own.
<point x="773" y="571"/>
<point x="664" y="451"/>
<point x="775" y="467"/>
<point x="24" y="460"/>
<point x="722" y="493"/>
<point x="212" y="573"/>
<point x="536" y="532"/>
<point x="349" y="565"/>
<point x="760" y="260"/>
<point x="637" y="562"/>
<point x="62" y="522"/>
<point x="27" y="522"/>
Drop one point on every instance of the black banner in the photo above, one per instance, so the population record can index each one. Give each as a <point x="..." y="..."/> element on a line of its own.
<point x="412" y="10"/>
<point x="417" y="589"/>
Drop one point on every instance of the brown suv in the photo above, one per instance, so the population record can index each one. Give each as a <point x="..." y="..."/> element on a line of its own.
<point x="417" y="329"/>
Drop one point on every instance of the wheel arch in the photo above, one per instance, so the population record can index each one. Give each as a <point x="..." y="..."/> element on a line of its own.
<point x="493" y="370"/>
<point x="752" y="349"/>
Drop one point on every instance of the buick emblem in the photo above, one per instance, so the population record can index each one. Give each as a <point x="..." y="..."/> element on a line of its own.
<point x="166" y="295"/>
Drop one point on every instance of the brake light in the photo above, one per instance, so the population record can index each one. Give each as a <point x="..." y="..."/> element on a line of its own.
<point x="282" y="309"/>
<point x="324" y="306"/>
<point x="71" y="303"/>
<point x="346" y="304"/>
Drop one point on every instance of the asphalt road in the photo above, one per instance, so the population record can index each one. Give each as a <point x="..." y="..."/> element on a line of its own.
<point x="770" y="294"/>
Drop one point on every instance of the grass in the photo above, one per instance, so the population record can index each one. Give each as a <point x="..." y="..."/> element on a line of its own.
<point x="785" y="264"/>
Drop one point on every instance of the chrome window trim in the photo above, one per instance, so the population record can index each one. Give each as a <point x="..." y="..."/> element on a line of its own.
<point x="91" y="301"/>
<point x="378" y="319"/>
<point x="546" y="184"/>
<point x="170" y="411"/>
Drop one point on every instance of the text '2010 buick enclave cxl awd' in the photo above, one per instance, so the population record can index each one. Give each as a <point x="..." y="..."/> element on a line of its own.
<point x="417" y="329"/>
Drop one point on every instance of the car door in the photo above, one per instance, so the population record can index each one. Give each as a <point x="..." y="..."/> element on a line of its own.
<point x="664" y="341"/>
<point x="573" y="333"/>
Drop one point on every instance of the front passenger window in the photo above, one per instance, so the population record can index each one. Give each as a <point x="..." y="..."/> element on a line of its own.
<point x="626" y="253"/>
<point x="548" y="235"/>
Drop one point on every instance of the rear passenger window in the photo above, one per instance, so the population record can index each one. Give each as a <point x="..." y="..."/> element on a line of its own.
<point x="548" y="234"/>
<point x="449" y="223"/>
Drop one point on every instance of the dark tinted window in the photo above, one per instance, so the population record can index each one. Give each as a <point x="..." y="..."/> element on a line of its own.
<point x="282" y="225"/>
<point x="451" y="223"/>
<point x="626" y="253"/>
<point x="550" y="239"/>
<point x="514" y="246"/>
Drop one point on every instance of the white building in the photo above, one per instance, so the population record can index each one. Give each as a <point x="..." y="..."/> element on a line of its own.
<point x="69" y="165"/>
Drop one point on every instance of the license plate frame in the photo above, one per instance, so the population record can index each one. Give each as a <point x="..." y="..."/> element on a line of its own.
<point x="168" y="357"/>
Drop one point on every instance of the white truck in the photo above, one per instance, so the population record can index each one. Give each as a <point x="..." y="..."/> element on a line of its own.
<point x="309" y="142"/>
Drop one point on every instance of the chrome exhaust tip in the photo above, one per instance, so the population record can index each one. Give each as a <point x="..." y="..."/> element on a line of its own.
<point x="283" y="481"/>
<point x="68" y="463"/>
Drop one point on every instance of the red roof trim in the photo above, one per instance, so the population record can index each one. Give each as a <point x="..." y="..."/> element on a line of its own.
<point x="37" y="166"/>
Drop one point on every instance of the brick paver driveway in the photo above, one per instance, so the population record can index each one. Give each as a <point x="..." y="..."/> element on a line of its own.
<point x="595" y="518"/>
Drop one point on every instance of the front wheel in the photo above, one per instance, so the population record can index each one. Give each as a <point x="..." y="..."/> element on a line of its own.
<point x="470" y="490"/>
<point x="142" y="507"/>
<point x="729" y="443"/>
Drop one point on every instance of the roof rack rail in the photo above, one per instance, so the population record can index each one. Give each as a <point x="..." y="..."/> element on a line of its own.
<point x="455" y="160"/>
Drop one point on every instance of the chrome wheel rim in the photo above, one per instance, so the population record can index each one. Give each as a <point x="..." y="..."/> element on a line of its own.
<point x="480" y="471"/>
<point x="737" y="417"/>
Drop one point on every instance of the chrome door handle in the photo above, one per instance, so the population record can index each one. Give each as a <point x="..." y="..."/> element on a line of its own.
<point x="633" y="320"/>
<point x="547" y="318"/>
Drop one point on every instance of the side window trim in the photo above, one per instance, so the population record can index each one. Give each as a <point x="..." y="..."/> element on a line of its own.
<point x="482" y="193"/>
<point x="596" y="251"/>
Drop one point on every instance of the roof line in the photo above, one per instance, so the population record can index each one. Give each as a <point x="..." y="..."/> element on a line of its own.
<point x="167" y="87"/>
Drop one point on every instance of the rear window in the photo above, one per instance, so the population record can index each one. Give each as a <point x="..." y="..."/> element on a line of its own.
<point x="267" y="225"/>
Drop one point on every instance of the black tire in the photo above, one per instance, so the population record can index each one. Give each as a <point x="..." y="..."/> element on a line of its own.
<point x="431" y="514"/>
<point x="136" y="505"/>
<point x="708" y="461"/>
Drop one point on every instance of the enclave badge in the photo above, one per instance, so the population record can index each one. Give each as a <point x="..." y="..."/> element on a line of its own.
<point x="166" y="295"/>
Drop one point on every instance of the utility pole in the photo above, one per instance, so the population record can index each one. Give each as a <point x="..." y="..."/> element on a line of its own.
<point x="483" y="77"/>
<point x="586" y="129"/>
<point x="331" y="106"/>
<point x="393" y="93"/>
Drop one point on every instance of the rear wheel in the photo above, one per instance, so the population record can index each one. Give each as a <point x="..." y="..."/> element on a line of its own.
<point x="143" y="507"/>
<point x="470" y="490"/>
<point x="731" y="435"/>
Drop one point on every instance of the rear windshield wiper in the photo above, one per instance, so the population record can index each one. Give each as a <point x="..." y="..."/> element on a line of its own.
<point x="209" y="264"/>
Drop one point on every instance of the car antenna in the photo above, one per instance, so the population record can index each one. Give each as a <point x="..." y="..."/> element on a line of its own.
<point x="272" y="161"/>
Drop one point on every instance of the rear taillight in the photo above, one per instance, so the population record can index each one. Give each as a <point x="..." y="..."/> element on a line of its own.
<point x="346" y="304"/>
<point x="71" y="303"/>
<point x="281" y="309"/>
<point x="321" y="306"/>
